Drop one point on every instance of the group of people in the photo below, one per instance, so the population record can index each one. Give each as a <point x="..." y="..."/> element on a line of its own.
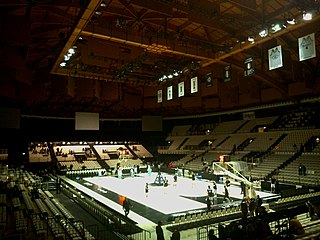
<point x="211" y="195"/>
<point x="251" y="207"/>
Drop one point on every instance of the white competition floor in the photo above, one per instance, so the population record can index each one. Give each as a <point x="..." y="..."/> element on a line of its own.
<point x="167" y="200"/>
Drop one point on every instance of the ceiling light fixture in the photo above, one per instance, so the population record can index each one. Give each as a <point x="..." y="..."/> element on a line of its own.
<point x="275" y="28"/>
<point x="291" y="21"/>
<point x="103" y="4"/>
<point x="250" y="39"/>
<point x="307" y="16"/>
<point x="263" y="33"/>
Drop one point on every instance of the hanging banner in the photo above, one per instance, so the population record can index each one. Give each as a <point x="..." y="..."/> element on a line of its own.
<point x="227" y="73"/>
<point x="275" y="57"/>
<point x="160" y="96"/>
<point x="180" y="89"/>
<point x="169" y="93"/>
<point x="307" y="47"/>
<point x="208" y="78"/>
<point x="248" y="66"/>
<point x="194" y="85"/>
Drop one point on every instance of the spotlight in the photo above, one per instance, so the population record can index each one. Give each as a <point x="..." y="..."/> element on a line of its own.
<point x="307" y="16"/>
<point x="250" y="39"/>
<point x="71" y="51"/>
<point x="66" y="57"/>
<point x="291" y="21"/>
<point x="263" y="33"/>
<point x="103" y="4"/>
<point x="170" y="76"/>
<point x="98" y="13"/>
<point x="275" y="28"/>
<point x="63" y="64"/>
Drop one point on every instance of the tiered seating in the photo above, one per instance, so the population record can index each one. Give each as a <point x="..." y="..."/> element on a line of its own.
<point x="3" y="154"/>
<point x="299" y="197"/>
<point x="176" y="141"/>
<point x="269" y="164"/>
<point x="238" y="155"/>
<point x="3" y="211"/>
<point x="295" y="139"/>
<point x="54" y="210"/>
<point x="39" y="153"/>
<point x="228" y="127"/>
<point x="183" y="160"/>
<point x="194" y="141"/>
<point x="21" y="222"/>
<point x="250" y="125"/>
<point x="39" y="226"/>
<point x="41" y="206"/>
<point x="180" y="130"/>
<point x="311" y="162"/>
<point x="234" y="139"/>
<point x="311" y="228"/>
<point x="302" y="119"/>
<point x="101" y="150"/>
<point x="141" y="151"/>
<point x="125" y="164"/>
<point x="263" y="141"/>
<point x="62" y="209"/>
<point x="28" y="202"/>
<point x="79" y="166"/>
<point x="197" y="219"/>
<point x="56" y="229"/>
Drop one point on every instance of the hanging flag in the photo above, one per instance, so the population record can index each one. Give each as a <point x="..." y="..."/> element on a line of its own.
<point x="180" y="89"/>
<point x="307" y="47"/>
<point x="160" y="96"/>
<point x="249" y="66"/>
<point x="227" y="73"/>
<point x="194" y="85"/>
<point x="169" y="93"/>
<point x="208" y="78"/>
<point x="275" y="57"/>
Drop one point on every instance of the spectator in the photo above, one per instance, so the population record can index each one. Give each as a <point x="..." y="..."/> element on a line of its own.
<point x="159" y="231"/>
<point x="252" y="207"/>
<point x="126" y="206"/>
<point x="211" y="235"/>
<point x="175" y="235"/>
<point x="295" y="227"/>
<point x="244" y="208"/>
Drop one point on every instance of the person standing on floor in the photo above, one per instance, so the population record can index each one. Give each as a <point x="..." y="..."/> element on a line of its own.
<point x="175" y="235"/>
<point x="159" y="231"/>
<point x="226" y="194"/>
<point x="126" y="206"/>
<point x="147" y="189"/>
<point x="215" y="188"/>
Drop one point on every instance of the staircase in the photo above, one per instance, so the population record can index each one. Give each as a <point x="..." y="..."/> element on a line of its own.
<point x="52" y="153"/>
<point x="103" y="164"/>
<point x="286" y="163"/>
<point x="182" y="143"/>
<point x="95" y="151"/>
<point x="131" y="151"/>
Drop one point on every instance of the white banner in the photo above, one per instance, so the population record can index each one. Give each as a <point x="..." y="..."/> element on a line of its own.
<point x="169" y="93"/>
<point x="307" y="47"/>
<point x="275" y="57"/>
<point x="160" y="96"/>
<point x="194" y="85"/>
<point x="180" y="89"/>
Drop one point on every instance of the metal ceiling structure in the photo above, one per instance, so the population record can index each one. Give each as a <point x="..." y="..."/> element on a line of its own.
<point x="121" y="48"/>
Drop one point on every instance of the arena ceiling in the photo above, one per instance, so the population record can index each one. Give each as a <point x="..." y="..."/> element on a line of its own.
<point x="122" y="49"/>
